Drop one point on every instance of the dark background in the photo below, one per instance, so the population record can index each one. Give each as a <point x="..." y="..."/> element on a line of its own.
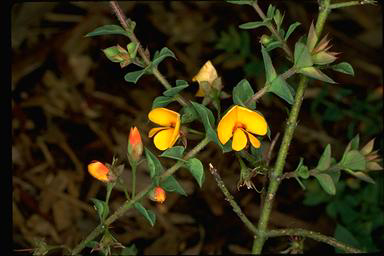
<point x="71" y="105"/>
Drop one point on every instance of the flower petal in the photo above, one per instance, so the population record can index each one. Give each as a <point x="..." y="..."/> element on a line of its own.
<point x="163" y="138"/>
<point x="176" y="133"/>
<point x="206" y="73"/>
<point x="254" y="122"/>
<point x="200" y="92"/>
<point x="163" y="116"/>
<point x="226" y="125"/>
<point x="153" y="131"/>
<point x="254" y="141"/>
<point x="98" y="170"/>
<point x="239" y="140"/>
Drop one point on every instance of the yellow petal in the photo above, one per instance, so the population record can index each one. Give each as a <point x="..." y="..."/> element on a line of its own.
<point x="153" y="131"/>
<point x="164" y="117"/>
<point x="200" y="92"/>
<point x="226" y="125"/>
<point x="98" y="170"/>
<point x="206" y="73"/>
<point x="163" y="138"/>
<point x="253" y="121"/>
<point x="239" y="140"/>
<point x="254" y="141"/>
<point x="176" y="133"/>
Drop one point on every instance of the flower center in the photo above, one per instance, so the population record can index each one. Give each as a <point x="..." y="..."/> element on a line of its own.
<point x="173" y="124"/>
<point x="238" y="125"/>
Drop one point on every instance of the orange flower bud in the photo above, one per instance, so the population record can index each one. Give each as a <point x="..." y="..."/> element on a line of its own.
<point x="158" y="195"/>
<point x="99" y="171"/>
<point x="135" y="146"/>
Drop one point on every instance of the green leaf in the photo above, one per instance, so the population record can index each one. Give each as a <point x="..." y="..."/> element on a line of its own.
<point x="269" y="69"/>
<point x="323" y="58"/>
<point x="243" y="92"/>
<point x="343" y="235"/>
<point x="129" y="250"/>
<point x="170" y="184"/>
<point x="154" y="166"/>
<point x="196" y="168"/>
<point x="148" y="214"/>
<point x="161" y="101"/>
<point x="302" y="57"/>
<point x="278" y="18"/>
<point x="108" y="30"/>
<point x="281" y="88"/>
<point x="132" y="49"/>
<point x="174" y="152"/>
<point x="325" y="159"/>
<point x="188" y="114"/>
<point x="316" y="74"/>
<point x="101" y="207"/>
<point x="354" y="160"/>
<point x="115" y="53"/>
<point x="343" y="67"/>
<point x="254" y="24"/>
<point x="302" y="170"/>
<point x="134" y="76"/>
<point x="272" y="45"/>
<point x="271" y="11"/>
<point x="326" y="183"/>
<point x="291" y="28"/>
<point x="180" y="85"/>
<point x="312" y="38"/>
<point x="240" y="2"/>
<point x="362" y="176"/>
<point x="165" y="52"/>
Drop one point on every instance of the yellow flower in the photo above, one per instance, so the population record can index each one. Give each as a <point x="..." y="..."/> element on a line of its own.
<point x="167" y="135"/>
<point x="207" y="73"/>
<point x="99" y="171"/>
<point x="240" y="123"/>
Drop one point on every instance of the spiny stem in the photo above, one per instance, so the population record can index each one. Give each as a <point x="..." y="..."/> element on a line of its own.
<point x="315" y="236"/>
<point x="123" y="21"/>
<point x="129" y="203"/>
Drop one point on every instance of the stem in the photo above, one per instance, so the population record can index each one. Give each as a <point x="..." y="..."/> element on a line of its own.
<point x="351" y="3"/>
<point x="123" y="21"/>
<point x="271" y="28"/>
<point x="230" y="199"/>
<point x="129" y="203"/>
<point x="288" y="133"/>
<point x="133" y="179"/>
<point x="315" y="236"/>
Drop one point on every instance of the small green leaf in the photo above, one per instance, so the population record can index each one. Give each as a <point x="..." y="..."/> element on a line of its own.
<point x="271" y="11"/>
<point x="165" y="52"/>
<point x="278" y="18"/>
<point x="174" y="152"/>
<point x="291" y="28"/>
<point x="325" y="159"/>
<point x="243" y="92"/>
<point x="134" y="76"/>
<point x="196" y="168"/>
<point x="175" y="90"/>
<point x="354" y="160"/>
<point x="132" y="49"/>
<point x="272" y="45"/>
<point x="254" y="24"/>
<point x="326" y="183"/>
<point x="302" y="57"/>
<point x="281" y="88"/>
<point x="188" y="114"/>
<point x="269" y="69"/>
<point x="101" y="207"/>
<point x="240" y="2"/>
<point x="343" y="235"/>
<point x="302" y="170"/>
<point x="170" y="184"/>
<point x="115" y="53"/>
<point x="312" y="38"/>
<point x="129" y="250"/>
<point x="108" y="30"/>
<point x="343" y="67"/>
<point x="161" y="101"/>
<point x="148" y="214"/>
<point x="362" y="176"/>
<point x="154" y="166"/>
<point x="323" y="58"/>
<point x="316" y="74"/>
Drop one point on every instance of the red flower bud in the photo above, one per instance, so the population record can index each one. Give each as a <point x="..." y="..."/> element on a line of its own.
<point x="135" y="145"/>
<point x="158" y="195"/>
<point x="99" y="171"/>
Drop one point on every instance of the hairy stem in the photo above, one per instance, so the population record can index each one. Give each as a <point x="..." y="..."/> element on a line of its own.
<point x="351" y="3"/>
<point x="129" y="203"/>
<point x="123" y="21"/>
<point x="288" y="134"/>
<point x="315" y="236"/>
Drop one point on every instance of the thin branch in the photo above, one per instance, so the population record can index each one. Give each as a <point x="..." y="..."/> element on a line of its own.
<point x="129" y="203"/>
<point x="315" y="236"/>
<point x="230" y="199"/>
<point x="271" y="28"/>
<point x="351" y="3"/>
<point x="123" y="21"/>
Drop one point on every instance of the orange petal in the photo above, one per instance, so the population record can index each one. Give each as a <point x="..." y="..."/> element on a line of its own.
<point x="164" y="138"/>
<point x="254" y="141"/>
<point x="226" y="125"/>
<point x="253" y="121"/>
<point x="164" y="116"/>
<point x="153" y="131"/>
<point x="239" y="140"/>
<point x="98" y="170"/>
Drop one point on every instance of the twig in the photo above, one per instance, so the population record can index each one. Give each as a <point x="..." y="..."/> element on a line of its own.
<point x="351" y="3"/>
<point x="123" y="21"/>
<point x="315" y="236"/>
<point x="271" y="147"/>
<point x="230" y="199"/>
<point x="129" y="203"/>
